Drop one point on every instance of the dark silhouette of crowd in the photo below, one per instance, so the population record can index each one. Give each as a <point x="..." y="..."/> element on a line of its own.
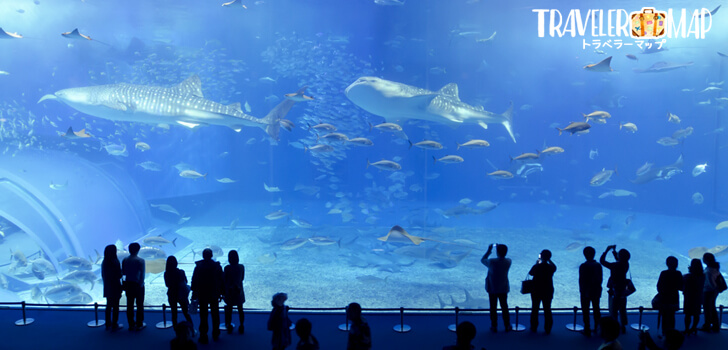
<point x="211" y="284"/>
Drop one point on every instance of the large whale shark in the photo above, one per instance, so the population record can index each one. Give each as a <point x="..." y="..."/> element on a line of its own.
<point x="396" y="101"/>
<point x="183" y="104"/>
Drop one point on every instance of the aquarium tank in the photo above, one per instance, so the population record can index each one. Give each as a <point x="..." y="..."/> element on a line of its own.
<point x="359" y="150"/>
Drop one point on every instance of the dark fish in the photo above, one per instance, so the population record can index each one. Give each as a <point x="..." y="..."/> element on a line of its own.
<point x="631" y="57"/>
<point x="575" y="127"/>
<point x="606" y="227"/>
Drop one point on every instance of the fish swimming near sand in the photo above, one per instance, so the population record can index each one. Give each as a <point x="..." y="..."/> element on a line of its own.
<point x="397" y="101"/>
<point x="183" y="104"/>
<point x="662" y="66"/>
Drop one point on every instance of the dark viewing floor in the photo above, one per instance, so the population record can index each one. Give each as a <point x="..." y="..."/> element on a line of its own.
<point x="55" y="329"/>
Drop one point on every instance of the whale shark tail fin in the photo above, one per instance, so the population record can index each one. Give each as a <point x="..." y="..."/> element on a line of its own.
<point x="507" y="120"/>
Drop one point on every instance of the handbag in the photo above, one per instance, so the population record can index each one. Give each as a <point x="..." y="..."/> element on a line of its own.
<point x="656" y="302"/>
<point x="720" y="284"/>
<point x="527" y="285"/>
<point x="629" y="288"/>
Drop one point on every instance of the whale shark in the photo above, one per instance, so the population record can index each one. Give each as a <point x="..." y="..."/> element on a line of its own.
<point x="183" y="104"/>
<point x="396" y="101"/>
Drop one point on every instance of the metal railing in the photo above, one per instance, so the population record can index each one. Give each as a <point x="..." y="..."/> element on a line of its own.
<point x="400" y="327"/>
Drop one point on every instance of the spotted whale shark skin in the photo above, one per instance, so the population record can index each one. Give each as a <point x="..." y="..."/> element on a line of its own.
<point x="396" y="101"/>
<point x="183" y="104"/>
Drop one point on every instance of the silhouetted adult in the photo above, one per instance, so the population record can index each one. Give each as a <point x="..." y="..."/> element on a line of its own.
<point x="234" y="274"/>
<point x="182" y="339"/>
<point x="693" y="283"/>
<point x="609" y="331"/>
<point x="590" y="289"/>
<point x="466" y="333"/>
<point x="207" y="288"/>
<point x="306" y="340"/>
<point x="111" y="276"/>
<point x="360" y="335"/>
<point x="133" y="269"/>
<point x="669" y="286"/>
<point x="177" y="290"/>
<point x="279" y="323"/>
<point x="497" y="285"/>
<point x="543" y="290"/>
<point x="617" y="283"/>
<point x="710" y="293"/>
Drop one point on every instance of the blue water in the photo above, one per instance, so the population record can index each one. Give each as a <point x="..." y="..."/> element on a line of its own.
<point x="256" y="55"/>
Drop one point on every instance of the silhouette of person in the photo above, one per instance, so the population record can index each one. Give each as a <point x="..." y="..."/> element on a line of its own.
<point x="177" y="290"/>
<point x="360" y="335"/>
<point x="182" y="339"/>
<point x="673" y="341"/>
<point x="465" y="332"/>
<point x="710" y="293"/>
<point x="307" y="340"/>
<point x="609" y="331"/>
<point x="617" y="283"/>
<point x="543" y="290"/>
<point x="590" y="289"/>
<point x="497" y="285"/>
<point x="693" y="283"/>
<point x="279" y="323"/>
<point x="133" y="268"/>
<point x="111" y="276"/>
<point x="669" y="286"/>
<point x="207" y="288"/>
<point x="233" y="275"/>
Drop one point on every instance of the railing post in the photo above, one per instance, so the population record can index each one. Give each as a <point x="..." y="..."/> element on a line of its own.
<point x="517" y="327"/>
<point x="164" y="324"/>
<point x="720" y="317"/>
<point x="639" y="326"/>
<point x="96" y="323"/>
<point x="574" y="327"/>
<point x="24" y="321"/>
<point x="401" y="327"/>
<point x="344" y="327"/>
<point x="453" y="327"/>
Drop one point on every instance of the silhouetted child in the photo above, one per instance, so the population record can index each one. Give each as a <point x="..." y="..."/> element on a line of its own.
<point x="360" y="335"/>
<point x="673" y="341"/>
<point x="307" y="341"/>
<point x="466" y="333"/>
<point x="693" y="282"/>
<point x="182" y="340"/>
<point x="609" y="331"/>
<point x="233" y="275"/>
<point x="279" y="323"/>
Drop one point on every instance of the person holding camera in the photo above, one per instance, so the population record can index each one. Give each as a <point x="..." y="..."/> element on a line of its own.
<point x="497" y="284"/>
<point x="543" y="290"/>
<point x="617" y="284"/>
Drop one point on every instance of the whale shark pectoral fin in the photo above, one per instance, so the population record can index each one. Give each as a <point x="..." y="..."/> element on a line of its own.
<point x="188" y="124"/>
<point x="118" y="106"/>
<point x="484" y="125"/>
<point x="421" y="102"/>
<point x="47" y="97"/>
<point x="236" y="128"/>
<point x="507" y="120"/>
<point x="190" y="86"/>
<point x="450" y="90"/>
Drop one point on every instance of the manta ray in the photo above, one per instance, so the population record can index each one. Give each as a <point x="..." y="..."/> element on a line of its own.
<point x="396" y="101"/>
<point x="72" y="135"/>
<point x="9" y="35"/>
<point x="182" y="104"/>
<point x="399" y="235"/>
<point x="602" y="66"/>
<point x="74" y="34"/>
<point x="662" y="173"/>
<point x="662" y="66"/>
